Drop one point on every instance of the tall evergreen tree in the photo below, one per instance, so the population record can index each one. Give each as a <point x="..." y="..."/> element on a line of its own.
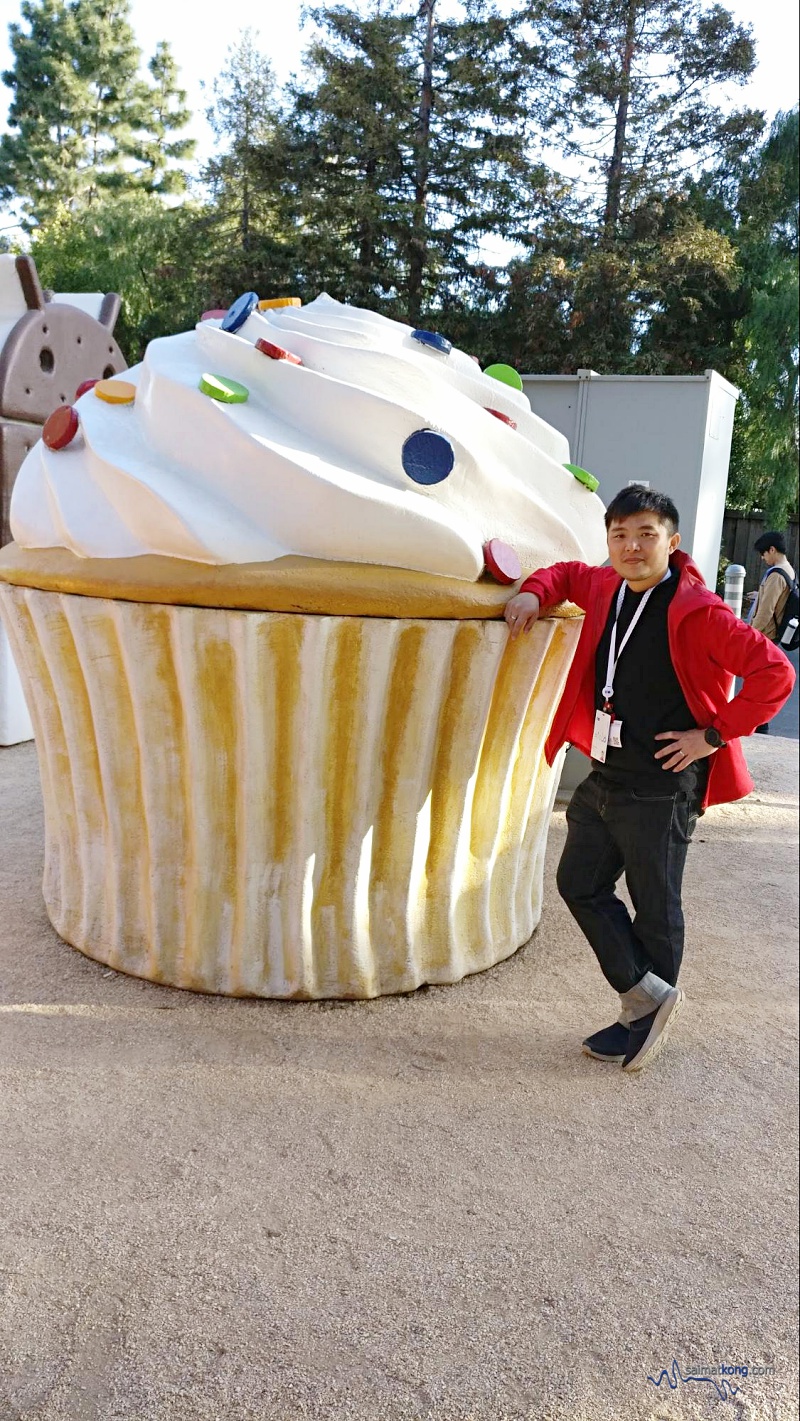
<point x="243" y="115"/>
<point x="107" y="61"/>
<point x="80" y="113"/>
<point x="631" y="92"/>
<point x="342" y="173"/>
<point x="40" y="163"/>
<point x="164" y="114"/>
<point x="767" y="339"/>
<point x="409" y="146"/>
<point x="472" y="171"/>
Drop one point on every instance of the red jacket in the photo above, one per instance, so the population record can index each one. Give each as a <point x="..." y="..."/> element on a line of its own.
<point x="708" y="644"/>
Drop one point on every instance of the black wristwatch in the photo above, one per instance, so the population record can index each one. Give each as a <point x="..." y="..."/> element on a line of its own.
<point x="712" y="737"/>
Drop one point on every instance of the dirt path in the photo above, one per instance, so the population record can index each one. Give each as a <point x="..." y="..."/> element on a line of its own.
<point x="430" y="1208"/>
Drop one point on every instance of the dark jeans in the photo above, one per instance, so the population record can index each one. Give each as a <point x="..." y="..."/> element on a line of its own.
<point x="644" y="835"/>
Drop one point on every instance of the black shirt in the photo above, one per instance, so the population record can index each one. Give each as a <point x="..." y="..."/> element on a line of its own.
<point x="647" y="693"/>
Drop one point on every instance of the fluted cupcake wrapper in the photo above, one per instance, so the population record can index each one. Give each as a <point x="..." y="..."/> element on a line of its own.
<point x="282" y="805"/>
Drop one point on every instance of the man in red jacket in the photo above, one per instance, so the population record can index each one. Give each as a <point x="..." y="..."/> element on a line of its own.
<point x="647" y="699"/>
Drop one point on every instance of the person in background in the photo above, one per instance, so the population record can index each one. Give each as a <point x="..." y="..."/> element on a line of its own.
<point x="770" y="599"/>
<point x="647" y="699"/>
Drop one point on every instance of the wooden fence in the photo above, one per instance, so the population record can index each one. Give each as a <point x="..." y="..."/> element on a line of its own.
<point x="739" y="532"/>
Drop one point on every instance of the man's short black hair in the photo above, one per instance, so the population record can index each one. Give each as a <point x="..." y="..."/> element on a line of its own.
<point x="637" y="498"/>
<point x="771" y="540"/>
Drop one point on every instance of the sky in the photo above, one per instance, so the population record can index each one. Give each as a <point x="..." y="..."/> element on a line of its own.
<point x="200" y="47"/>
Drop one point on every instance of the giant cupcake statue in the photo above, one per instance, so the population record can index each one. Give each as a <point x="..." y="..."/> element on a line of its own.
<point x="255" y="596"/>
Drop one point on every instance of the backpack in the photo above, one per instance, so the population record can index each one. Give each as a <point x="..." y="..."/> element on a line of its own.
<point x="788" y="633"/>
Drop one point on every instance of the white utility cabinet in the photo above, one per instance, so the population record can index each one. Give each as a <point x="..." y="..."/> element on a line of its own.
<point x="670" y="431"/>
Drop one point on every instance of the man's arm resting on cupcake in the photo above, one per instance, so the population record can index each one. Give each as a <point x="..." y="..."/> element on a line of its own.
<point x="563" y="582"/>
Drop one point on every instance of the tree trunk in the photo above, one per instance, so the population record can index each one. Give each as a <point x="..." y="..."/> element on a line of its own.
<point x="245" y="216"/>
<point x="366" y="242"/>
<point x="616" y="167"/>
<point x="418" y="254"/>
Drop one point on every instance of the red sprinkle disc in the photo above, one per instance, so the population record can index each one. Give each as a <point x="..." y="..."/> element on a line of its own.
<point x="214" y="315"/>
<point x="498" y="414"/>
<point x="84" y="386"/>
<point x="501" y="561"/>
<point x="61" y="427"/>
<point x="277" y="352"/>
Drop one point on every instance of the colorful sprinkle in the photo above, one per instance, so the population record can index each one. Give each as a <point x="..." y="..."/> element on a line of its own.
<point x="506" y="374"/>
<point x="227" y="392"/>
<point x="428" y="457"/>
<point x="84" y="387"/>
<point x="433" y="340"/>
<point x="115" y="392"/>
<point x="275" y="302"/>
<point x="498" y="414"/>
<point x="61" y="427"/>
<point x="501" y="561"/>
<point x="584" y="477"/>
<point x="277" y="352"/>
<point x="213" y="315"/>
<point x="237" y="314"/>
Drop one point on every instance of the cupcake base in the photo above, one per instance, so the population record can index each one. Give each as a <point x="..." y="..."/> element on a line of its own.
<point x="285" y="805"/>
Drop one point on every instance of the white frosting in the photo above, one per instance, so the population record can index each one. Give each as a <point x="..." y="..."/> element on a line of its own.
<point x="311" y="463"/>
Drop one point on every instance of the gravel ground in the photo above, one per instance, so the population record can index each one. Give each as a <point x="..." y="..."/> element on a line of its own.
<point x="429" y="1208"/>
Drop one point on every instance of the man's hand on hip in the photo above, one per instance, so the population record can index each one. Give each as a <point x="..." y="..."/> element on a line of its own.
<point x="684" y="747"/>
<point x="522" y="612"/>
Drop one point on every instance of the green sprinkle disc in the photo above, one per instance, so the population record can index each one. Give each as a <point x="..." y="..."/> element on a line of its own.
<point x="584" y="477"/>
<point x="506" y="374"/>
<point x="219" y="387"/>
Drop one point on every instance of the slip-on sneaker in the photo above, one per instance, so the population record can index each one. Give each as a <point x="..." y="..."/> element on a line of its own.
<point x="648" y="1034"/>
<point x="610" y="1044"/>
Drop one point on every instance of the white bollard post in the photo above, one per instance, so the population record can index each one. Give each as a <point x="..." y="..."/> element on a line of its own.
<point x="734" y="587"/>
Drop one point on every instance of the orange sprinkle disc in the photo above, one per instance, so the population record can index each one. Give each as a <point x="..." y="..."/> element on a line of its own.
<point x="115" y="392"/>
<point x="277" y="301"/>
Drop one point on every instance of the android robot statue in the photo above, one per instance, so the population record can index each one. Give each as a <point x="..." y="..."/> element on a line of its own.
<point x="49" y="345"/>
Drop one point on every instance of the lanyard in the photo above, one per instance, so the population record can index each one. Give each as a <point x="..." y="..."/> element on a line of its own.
<point x="613" y="654"/>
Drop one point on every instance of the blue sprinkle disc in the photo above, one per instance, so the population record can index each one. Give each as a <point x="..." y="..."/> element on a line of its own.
<point x="434" y="340"/>
<point x="428" y="457"/>
<point x="237" y="314"/>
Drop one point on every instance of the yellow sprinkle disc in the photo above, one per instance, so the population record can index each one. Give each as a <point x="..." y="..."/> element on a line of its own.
<point x="276" y="301"/>
<point x="115" y="392"/>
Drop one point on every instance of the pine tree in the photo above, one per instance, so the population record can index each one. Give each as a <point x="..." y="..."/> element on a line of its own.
<point x="163" y="114"/>
<point x="244" y="116"/>
<point x="631" y="92"/>
<point x="764" y="464"/>
<point x="41" y="163"/>
<point x="408" y="147"/>
<point x="108" y="62"/>
<point x="80" y="114"/>
<point x="628" y="90"/>
<point x="473" y="174"/>
<point x="341" y="172"/>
